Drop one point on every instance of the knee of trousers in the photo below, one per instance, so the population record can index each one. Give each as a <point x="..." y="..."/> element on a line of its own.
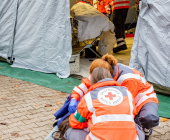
<point x="148" y="121"/>
<point x="75" y="134"/>
<point x="148" y="116"/>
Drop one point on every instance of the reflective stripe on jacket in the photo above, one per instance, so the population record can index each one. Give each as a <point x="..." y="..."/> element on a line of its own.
<point x="142" y="91"/>
<point x="119" y="4"/>
<point x="132" y="79"/>
<point x="110" y="111"/>
<point x="79" y="91"/>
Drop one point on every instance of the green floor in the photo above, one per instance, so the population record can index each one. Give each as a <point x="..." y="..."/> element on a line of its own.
<point x="43" y="79"/>
<point x="65" y="85"/>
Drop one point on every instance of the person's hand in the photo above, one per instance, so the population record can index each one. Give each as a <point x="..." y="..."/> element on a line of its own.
<point x="107" y="15"/>
<point x="73" y="105"/>
<point x="108" y="12"/>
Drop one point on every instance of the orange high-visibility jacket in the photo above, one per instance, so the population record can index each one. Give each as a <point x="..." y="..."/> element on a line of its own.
<point x="132" y="79"/>
<point x="103" y="6"/>
<point x="119" y="4"/>
<point x="109" y="109"/>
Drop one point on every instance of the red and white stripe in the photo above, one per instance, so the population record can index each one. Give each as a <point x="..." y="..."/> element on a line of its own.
<point x="120" y="4"/>
<point x="124" y="77"/>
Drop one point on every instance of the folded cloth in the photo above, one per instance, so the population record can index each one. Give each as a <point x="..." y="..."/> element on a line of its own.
<point x="64" y="109"/>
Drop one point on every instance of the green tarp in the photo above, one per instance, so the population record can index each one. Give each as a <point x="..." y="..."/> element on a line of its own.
<point x="164" y="105"/>
<point x="39" y="78"/>
<point x="65" y="85"/>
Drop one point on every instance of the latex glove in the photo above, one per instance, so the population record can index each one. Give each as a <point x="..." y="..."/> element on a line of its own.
<point x="72" y="106"/>
<point x="107" y="15"/>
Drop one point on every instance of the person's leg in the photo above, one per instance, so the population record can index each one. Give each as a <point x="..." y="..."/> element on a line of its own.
<point x="68" y="133"/>
<point x="141" y="134"/>
<point x="117" y="19"/>
<point x="148" y="118"/>
<point x="75" y="134"/>
<point x="125" y="12"/>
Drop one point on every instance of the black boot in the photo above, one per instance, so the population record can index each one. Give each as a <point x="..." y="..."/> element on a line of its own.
<point x="118" y="49"/>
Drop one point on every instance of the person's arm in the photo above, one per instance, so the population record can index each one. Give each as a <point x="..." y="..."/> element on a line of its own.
<point x="77" y="93"/>
<point x="78" y="119"/>
<point x="141" y="96"/>
<point x="107" y="6"/>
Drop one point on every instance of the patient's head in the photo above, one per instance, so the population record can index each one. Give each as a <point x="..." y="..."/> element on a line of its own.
<point x="98" y="74"/>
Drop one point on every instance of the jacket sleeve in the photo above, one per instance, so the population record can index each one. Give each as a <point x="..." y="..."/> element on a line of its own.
<point x="78" y="119"/>
<point x="132" y="85"/>
<point x="142" y="95"/>
<point x="79" y="91"/>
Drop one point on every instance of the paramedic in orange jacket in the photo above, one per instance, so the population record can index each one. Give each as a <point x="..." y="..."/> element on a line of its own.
<point x="146" y="101"/>
<point x="103" y="7"/>
<point x="108" y="108"/>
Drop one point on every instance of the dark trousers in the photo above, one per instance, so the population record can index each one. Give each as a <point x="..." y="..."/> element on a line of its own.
<point x="118" y="17"/>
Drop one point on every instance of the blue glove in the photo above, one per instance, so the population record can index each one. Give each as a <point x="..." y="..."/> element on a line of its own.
<point x="72" y="106"/>
<point x="107" y="15"/>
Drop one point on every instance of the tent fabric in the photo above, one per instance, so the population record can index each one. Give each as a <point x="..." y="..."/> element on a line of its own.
<point x="37" y="34"/>
<point x="90" y="21"/>
<point x="151" y="47"/>
<point x="8" y="11"/>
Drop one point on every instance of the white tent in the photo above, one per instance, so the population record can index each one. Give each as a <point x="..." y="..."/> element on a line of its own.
<point x="151" y="47"/>
<point x="36" y="35"/>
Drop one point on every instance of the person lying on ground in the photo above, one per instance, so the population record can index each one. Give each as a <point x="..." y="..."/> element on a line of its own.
<point x="146" y="101"/>
<point x="107" y="109"/>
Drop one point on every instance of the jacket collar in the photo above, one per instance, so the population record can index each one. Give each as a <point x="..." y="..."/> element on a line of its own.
<point x="116" y="72"/>
<point x="104" y="82"/>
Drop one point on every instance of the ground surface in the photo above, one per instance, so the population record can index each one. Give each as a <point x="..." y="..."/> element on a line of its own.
<point x="24" y="115"/>
<point x="27" y="110"/>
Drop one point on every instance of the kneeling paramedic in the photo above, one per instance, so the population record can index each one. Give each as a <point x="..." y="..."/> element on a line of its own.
<point x="146" y="101"/>
<point x="107" y="109"/>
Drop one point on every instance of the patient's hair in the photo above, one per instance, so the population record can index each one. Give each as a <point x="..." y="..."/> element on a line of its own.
<point x="107" y="62"/>
<point x="98" y="74"/>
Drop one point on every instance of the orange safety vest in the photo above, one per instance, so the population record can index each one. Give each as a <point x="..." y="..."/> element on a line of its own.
<point x="103" y="6"/>
<point x="110" y="112"/>
<point x="142" y="91"/>
<point x="119" y="4"/>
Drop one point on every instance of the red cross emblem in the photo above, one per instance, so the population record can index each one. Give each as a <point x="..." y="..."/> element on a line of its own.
<point x="110" y="96"/>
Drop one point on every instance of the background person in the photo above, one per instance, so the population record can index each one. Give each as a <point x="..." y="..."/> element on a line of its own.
<point x="103" y="7"/>
<point x="118" y="17"/>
